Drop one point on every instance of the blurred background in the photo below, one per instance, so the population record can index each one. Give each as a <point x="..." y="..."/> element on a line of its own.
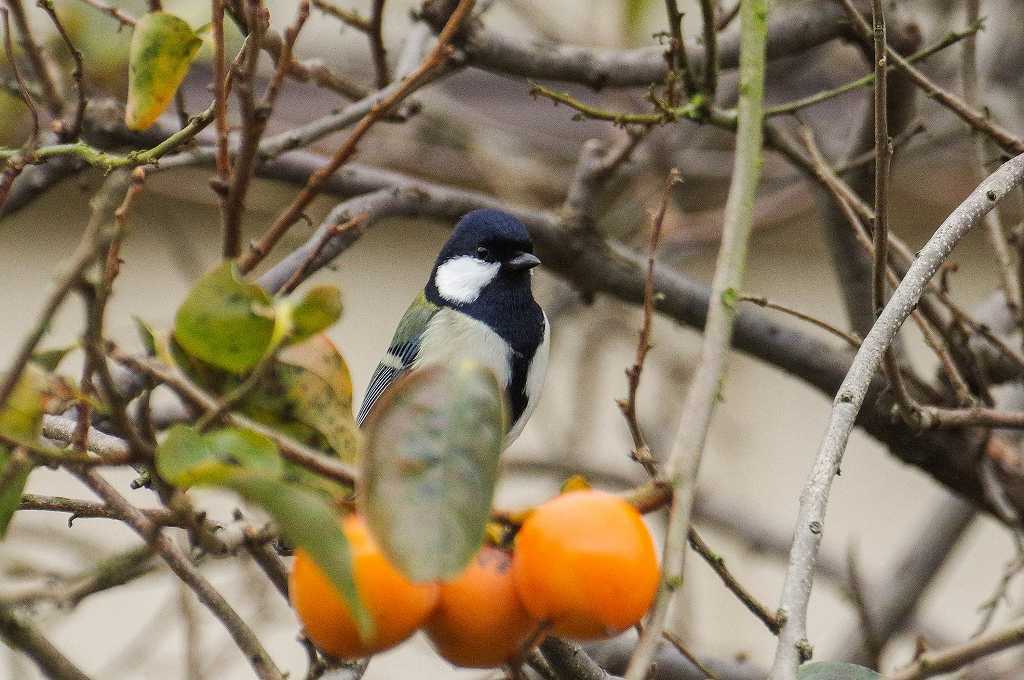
<point x="484" y="131"/>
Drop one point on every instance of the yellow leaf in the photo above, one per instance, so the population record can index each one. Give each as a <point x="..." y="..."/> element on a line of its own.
<point x="163" y="47"/>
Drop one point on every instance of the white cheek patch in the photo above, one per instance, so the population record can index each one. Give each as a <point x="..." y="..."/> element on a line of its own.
<point x="461" y="279"/>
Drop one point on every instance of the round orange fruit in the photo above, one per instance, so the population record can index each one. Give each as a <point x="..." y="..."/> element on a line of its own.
<point x="480" y="621"/>
<point x="397" y="606"/>
<point x="585" y="564"/>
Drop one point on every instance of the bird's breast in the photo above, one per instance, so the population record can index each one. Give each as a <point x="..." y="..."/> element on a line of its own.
<point x="452" y="337"/>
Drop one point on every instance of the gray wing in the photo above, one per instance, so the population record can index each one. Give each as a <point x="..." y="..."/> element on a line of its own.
<point x="398" y="361"/>
<point x="401" y="354"/>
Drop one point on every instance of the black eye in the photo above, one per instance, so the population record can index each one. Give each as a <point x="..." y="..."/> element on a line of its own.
<point x="483" y="253"/>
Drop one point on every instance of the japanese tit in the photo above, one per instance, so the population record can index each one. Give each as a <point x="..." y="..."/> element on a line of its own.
<point x="477" y="305"/>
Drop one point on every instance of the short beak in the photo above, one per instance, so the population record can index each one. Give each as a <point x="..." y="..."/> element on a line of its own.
<point x="523" y="262"/>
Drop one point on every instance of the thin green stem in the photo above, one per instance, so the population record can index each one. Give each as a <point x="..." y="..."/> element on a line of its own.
<point x="110" y="161"/>
<point x="950" y="38"/>
<point x="683" y="465"/>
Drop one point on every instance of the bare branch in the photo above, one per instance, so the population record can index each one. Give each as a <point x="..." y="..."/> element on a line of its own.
<point x="971" y="116"/>
<point x="794" y="29"/>
<point x="437" y="58"/>
<point x="179" y="563"/>
<point x="717" y="563"/>
<point x="942" y="661"/>
<point x="23" y="636"/>
<point x="850" y="397"/>
<point x="377" y="51"/>
<point x="42" y="66"/>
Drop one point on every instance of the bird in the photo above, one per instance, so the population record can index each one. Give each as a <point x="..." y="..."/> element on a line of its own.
<point x="478" y="304"/>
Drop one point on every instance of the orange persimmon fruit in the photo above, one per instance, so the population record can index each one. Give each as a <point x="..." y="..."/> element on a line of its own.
<point x="397" y="606"/>
<point x="480" y="621"/>
<point x="585" y="564"/>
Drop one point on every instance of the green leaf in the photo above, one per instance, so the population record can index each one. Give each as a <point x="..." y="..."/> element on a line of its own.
<point x="430" y="468"/>
<point x="316" y="312"/>
<point x="14" y="479"/>
<point x="302" y="516"/>
<point x="49" y="359"/>
<point x="20" y="419"/>
<point x="306" y="394"/>
<point x="148" y="335"/>
<point x="22" y="415"/>
<point x="162" y="49"/>
<point x="835" y="670"/>
<point x="319" y="386"/>
<point x="185" y="457"/>
<point x="225" y="321"/>
<point x="307" y="522"/>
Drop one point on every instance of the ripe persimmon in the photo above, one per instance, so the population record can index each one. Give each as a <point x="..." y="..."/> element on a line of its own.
<point x="585" y="563"/>
<point x="397" y="606"/>
<point x="480" y="621"/>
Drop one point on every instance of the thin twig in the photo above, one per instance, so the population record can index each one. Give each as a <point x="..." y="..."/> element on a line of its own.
<point x="941" y="661"/>
<point x="684" y="462"/>
<point x="193" y="638"/>
<point x="850" y="338"/>
<point x="880" y="227"/>
<point x="25" y="637"/>
<point x="880" y="231"/>
<point x="676" y="642"/>
<point x="707" y="10"/>
<point x="18" y="161"/>
<point x="437" y="57"/>
<point x="355" y="225"/>
<point x="255" y="543"/>
<point x="971" y="116"/>
<point x="290" y="449"/>
<point x="219" y="184"/>
<point x="847" y="202"/>
<point x="40" y="59"/>
<point x="82" y="509"/>
<point x="377" y="51"/>
<point x="109" y="572"/>
<point x="78" y="75"/>
<point x="123" y="18"/>
<point x="728" y="16"/>
<point x="641" y="451"/>
<point x="1010" y="275"/>
<point x="253" y="125"/>
<point x="679" y="67"/>
<point x="859" y="596"/>
<point x="346" y="16"/>
<point x="241" y="633"/>
<point x="950" y="38"/>
<point x="95" y="240"/>
<point x="717" y="563"/>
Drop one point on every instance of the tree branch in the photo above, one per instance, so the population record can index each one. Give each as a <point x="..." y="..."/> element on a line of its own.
<point x="684" y="462"/>
<point x="24" y="637"/>
<point x="810" y="521"/>
<point x="794" y="29"/>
